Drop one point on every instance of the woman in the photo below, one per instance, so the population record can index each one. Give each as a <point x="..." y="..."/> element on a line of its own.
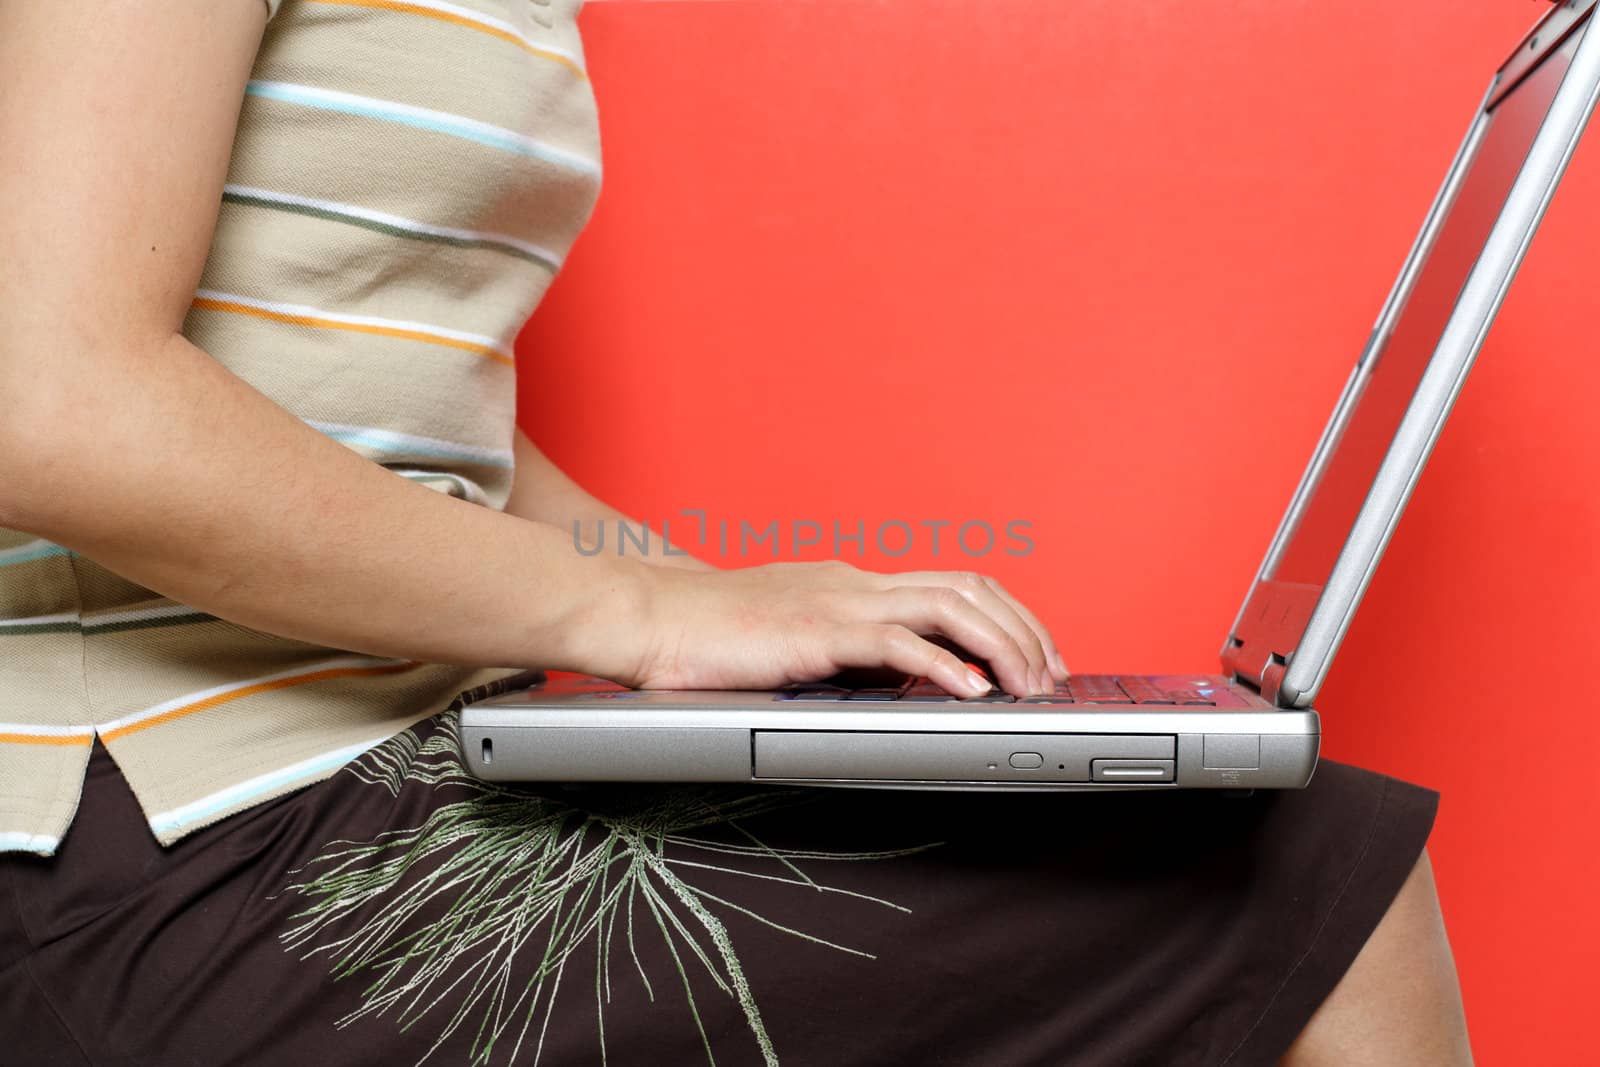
<point x="261" y="270"/>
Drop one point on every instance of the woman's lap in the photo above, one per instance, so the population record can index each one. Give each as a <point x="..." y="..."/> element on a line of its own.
<point x="809" y="927"/>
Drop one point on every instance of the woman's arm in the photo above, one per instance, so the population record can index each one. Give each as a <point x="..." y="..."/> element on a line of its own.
<point x="126" y="443"/>
<point x="542" y="492"/>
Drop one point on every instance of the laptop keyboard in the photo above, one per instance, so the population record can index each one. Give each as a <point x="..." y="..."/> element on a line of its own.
<point x="1106" y="689"/>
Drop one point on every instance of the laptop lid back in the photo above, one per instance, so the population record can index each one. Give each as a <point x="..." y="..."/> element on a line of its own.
<point x="1408" y="376"/>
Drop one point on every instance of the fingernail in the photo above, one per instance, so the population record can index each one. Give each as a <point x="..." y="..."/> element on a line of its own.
<point x="1061" y="664"/>
<point x="977" y="682"/>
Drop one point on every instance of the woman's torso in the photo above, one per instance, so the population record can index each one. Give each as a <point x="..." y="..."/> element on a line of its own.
<point x="406" y="180"/>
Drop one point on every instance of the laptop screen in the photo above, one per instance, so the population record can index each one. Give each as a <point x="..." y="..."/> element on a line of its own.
<point x="1308" y="555"/>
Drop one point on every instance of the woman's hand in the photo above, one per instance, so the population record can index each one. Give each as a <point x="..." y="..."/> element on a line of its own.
<point x="764" y="627"/>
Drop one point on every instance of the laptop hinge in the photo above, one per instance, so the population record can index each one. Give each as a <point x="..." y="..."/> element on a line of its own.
<point x="1272" y="678"/>
<point x="1272" y="673"/>
<point x="1268" y="632"/>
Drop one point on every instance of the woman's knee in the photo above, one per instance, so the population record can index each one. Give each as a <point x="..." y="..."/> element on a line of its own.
<point x="1400" y="1001"/>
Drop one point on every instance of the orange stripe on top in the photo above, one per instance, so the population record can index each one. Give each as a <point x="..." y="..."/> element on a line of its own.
<point x="402" y="7"/>
<point x="208" y="304"/>
<point x="47" y="739"/>
<point x="253" y="690"/>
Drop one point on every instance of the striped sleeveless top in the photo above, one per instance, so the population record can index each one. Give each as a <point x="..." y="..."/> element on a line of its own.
<point x="406" y="178"/>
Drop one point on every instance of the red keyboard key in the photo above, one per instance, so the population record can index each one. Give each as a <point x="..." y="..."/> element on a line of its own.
<point x="1189" y="696"/>
<point x="1144" y="691"/>
<point x="1097" y="689"/>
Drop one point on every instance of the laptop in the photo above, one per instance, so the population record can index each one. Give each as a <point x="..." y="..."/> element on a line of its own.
<point x="1250" y="726"/>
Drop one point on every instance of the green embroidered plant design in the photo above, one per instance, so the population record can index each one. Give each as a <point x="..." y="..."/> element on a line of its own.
<point x="471" y="918"/>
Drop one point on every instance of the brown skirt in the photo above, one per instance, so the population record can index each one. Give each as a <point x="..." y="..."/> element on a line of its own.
<point x="402" y="912"/>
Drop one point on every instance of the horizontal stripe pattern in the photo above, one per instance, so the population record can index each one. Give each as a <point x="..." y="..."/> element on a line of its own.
<point x="190" y="704"/>
<point x="144" y="619"/>
<point x="391" y="225"/>
<point x="19" y="733"/>
<point x="472" y="20"/>
<point x="20" y="841"/>
<point x="317" y="318"/>
<point x="108" y="622"/>
<point x="27" y="553"/>
<point x="422" y="118"/>
<point x="206" y="809"/>
<point x="394" y="442"/>
<point x="59" y="623"/>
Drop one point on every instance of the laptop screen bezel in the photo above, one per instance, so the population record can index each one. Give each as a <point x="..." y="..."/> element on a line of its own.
<point x="1285" y="636"/>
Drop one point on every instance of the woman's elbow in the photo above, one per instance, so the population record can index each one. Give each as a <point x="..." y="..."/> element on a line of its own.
<point x="25" y="440"/>
<point x="46" y="433"/>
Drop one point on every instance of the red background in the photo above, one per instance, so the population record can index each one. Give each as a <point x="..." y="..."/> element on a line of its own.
<point x="1103" y="266"/>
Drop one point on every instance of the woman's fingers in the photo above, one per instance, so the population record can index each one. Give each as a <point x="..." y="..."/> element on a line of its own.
<point x="982" y="594"/>
<point x="769" y="625"/>
<point x="942" y="610"/>
<point x="1052" y="655"/>
<point x="896" y="646"/>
